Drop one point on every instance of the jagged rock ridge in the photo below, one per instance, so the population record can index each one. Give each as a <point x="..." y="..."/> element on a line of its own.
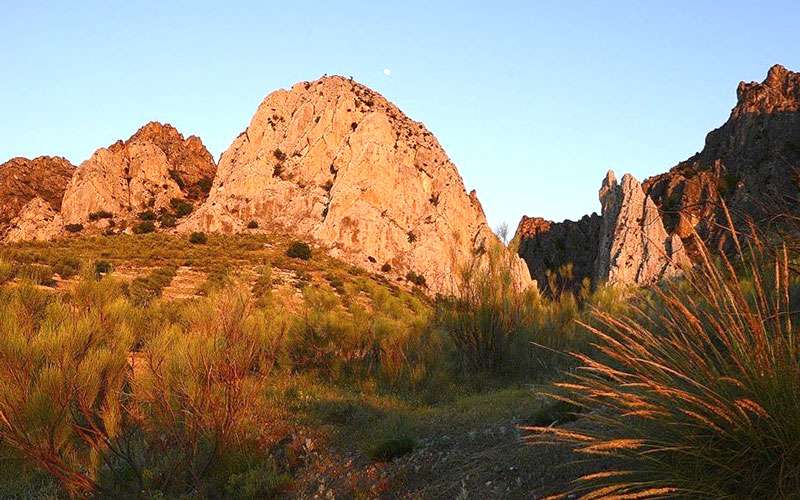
<point x="634" y="247"/>
<point x="752" y="163"/>
<point x="626" y="245"/>
<point x="337" y="162"/>
<point x="23" y="180"/>
<point x="146" y="172"/>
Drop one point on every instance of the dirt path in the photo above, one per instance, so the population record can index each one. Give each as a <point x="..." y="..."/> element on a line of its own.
<point x="482" y="463"/>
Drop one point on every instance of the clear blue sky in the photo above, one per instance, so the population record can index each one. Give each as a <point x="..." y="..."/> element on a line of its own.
<point x="533" y="101"/>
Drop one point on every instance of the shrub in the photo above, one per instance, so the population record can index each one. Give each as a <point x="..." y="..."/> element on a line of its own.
<point x="167" y="220"/>
<point x="279" y="155"/>
<point x="147" y="215"/>
<point x="389" y="449"/>
<point x="204" y="184"/>
<point x="299" y="250"/>
<point x="144" y="227"/>
<point x="487" y="313"/>
<point x="698" y="388"/>
<point x="102" y="267"/>
<point x="67" y="267"/>
<point x="252" y="225"/>
<point x="39" y="274"/>
<point x="144" y="289"/>
<point x="100" y="214"/>
<point x="197" y="238"/>
<point x="386" y="267"/>
<point x="416" y="279"/>
<point x="74" y="228"/>
<point x="181" y="207"/>
<point x="7" y="272"/>
<point x="62" y="413"/>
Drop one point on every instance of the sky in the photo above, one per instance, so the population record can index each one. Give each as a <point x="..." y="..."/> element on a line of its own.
<point x="533" y="101"/>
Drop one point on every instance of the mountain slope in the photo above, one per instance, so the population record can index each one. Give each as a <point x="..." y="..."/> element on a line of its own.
<point x="334" y="161"/>
<point x="146" y="172"/>
<point x="22" y="180"/>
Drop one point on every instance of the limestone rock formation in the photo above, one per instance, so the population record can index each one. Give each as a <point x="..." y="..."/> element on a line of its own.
<point x="634" y="247"/>
<point x="626" y="245"/>
<point x="336" y="162"/>
<point x="752" y="163"/>
<point x="559" y="254"/>
<point x="22" y="180"/>
<point x="37" y="221"/>
<point x="143" y="173"/>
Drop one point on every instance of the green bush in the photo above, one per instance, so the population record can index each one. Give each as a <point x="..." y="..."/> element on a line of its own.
<point x="102" y="267"/>
<point x="7" y="272"/>
<point x="197" y="238"/>
<point x="147" y="215"/>
<point x="388" y="450"/>
<point x="39" y="274"/>
<point x="299" y="250"/>
<point x="144" y="227"/>
<point x="416" y="279"/>
<point x="100" y="214"/>
<point x="252" y="225"/>
<point x="67" y="267"/>
<point x="144" y="289"/>
<point x="181" y="207"/>
<point x="74" y="228"/>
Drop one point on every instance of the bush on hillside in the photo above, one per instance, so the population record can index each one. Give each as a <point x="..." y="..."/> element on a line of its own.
<point x="197" y="238"/>
<point x="100" y="214"/>
<point x="147" y="215"/>
<point x="181" y="207"/>
<point x="299" y="250"/>
<point x="144" y="227"/>
<point x="74" y="228"/>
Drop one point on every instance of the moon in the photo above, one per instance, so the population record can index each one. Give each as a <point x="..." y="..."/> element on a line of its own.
<point x="387" y="72"/>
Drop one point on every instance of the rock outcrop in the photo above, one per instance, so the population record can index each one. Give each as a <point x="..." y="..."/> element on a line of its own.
<point x="634" y="247"/>
<point x="23" y="180"/>
<point x="752" y="163"/>
<point x="36" y="221"/>
<point x="336" y="162"/>
<point x="145" y="172"/>
<point x="626" y="245"/>
<point x="559" y="254"/>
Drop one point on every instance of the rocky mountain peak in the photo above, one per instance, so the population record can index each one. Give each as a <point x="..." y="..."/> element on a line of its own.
<point x="145" y="172"/>
<point x="780" y="91"/>
<point x="337" y="162"/>
<point x="22" y="180"/>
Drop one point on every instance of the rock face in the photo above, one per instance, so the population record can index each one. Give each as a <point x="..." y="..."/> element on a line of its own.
<point x="336" y="162"/>
<point x="143" y="173"/>
<point x="626" y="245"/>
<point x="23" y="180"/>
<point x="37" y="221"/>
<point x="752" y="163"/>
<point x="549" y="247"/>
<point x="634" y="247"/>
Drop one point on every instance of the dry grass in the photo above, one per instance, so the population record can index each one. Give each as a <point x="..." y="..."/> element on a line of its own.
<point x="696" y="392"/>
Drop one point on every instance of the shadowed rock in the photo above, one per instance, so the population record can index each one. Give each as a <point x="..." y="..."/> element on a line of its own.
<point x="22" y="180"/>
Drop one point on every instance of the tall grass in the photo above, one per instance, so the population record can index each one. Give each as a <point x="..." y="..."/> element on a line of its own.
<point x="695" y="394"/>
